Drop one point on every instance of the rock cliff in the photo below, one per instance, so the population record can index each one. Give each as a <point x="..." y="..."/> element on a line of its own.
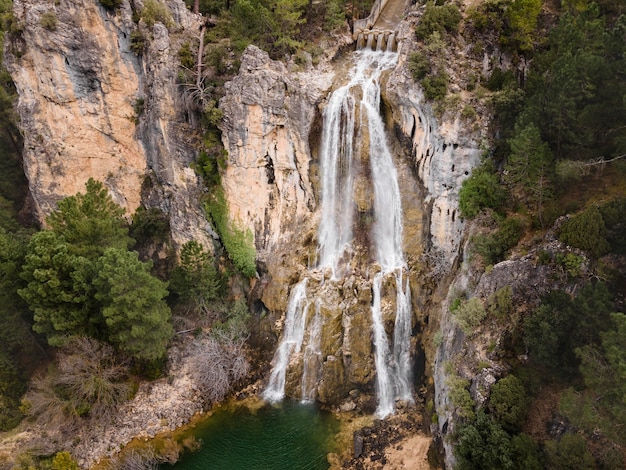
<point x="91" y="107"/>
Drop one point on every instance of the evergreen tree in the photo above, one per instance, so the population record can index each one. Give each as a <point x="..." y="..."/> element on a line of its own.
<point x="137" y="317"/>
<point x="58" y="289"/>
<point x="90" y="222"/>
<point x="529" y="166"/>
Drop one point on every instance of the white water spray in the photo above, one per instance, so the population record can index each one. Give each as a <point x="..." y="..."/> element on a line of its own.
<point x="347" y="109"/>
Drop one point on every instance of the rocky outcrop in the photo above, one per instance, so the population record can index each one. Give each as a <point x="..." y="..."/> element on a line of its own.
<point x="90" y="107"/>
<point x="444" y="149"/>
<point x="268" y="116"/>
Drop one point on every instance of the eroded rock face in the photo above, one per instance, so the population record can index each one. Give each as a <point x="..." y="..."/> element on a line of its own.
<point x="90" y="107"/>
<point x="268" y="115"/>
<point x="444" y="151"/>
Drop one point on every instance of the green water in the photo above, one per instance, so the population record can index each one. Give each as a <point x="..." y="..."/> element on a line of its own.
<point x="289" y="436"/>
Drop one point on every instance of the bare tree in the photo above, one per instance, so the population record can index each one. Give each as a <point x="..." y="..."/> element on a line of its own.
<point x="218" y="364"/>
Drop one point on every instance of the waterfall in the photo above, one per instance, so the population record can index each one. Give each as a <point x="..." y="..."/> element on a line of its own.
<point x="295" y="321"/>
<point x="351" y="115"/>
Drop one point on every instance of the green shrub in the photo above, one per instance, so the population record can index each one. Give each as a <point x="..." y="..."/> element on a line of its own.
<point x="508" y="403"/>
<point x="572" y="264"/>
<point x="419" y="65"/>
<point x="569" y="453"/>
<point x="238" y="244"/>
<point x="186" y="57"/>
<point x="586" y="231"/>
<point x="468" y="112"/>
<point x="500" y="304"/>
<point x="154" y="11"/>
<point x="137" y="42"/>
<point x="441" y="18"/>
<point x="49" y="21"/>
<point x="480" y="191"/>
<point x="470" y="314"/>
<point x="460" y="397"/>
<point x="436" y="85"/>
<point x="499" y="79"/>
<point x="493" y="247"/>
<point x="483" y="444"/>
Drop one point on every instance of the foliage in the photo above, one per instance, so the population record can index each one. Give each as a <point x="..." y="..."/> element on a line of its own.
<point x="600" y="407"/>
<point x="586" y="231"/>
<point x="235" y="326"/>
<point x="470" y="314"/>
<point x="520" y="24"/>
<point x="137" y="41"/>
<point x="273" y="25"/>
<point x="154" y="11"/>
<point x="529" y="166"/>
<point x="569" y="453"/>
<point x="133" y="308"/>
<point x="571" y="263"/>
<point x="238" y="244"/>
<point x="64" y="461"/>
<point x="436" y="85"/>
<point x="547" y="330"/>
<point x="480" y="191"/>
<point x="493" y="247"/>
<point x="419" y="65"/>
<point x="91" y="222"/>
<point x="614" y="217"/>
<point x="80" y="279"/>
<point x="561" y="324"/>
<point x="87" y="380"/>
<point x="525" y="453"/>
<point x="440" y="18"/>
<point x="500" y="303"/>
<point x="460" y="398"/>
<point x="111" y="5"/>
<point x="58" y="289"/>
<point x="195" y="280"/>
<point x="483" y="445"/>
<point x="150" y="225"/>
<point x="575" y="89"/>
<point x="49" y="21"/>
<point x="508" y="403"/>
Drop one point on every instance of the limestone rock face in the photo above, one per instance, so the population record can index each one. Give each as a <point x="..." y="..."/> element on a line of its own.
<point x="268" y="115"/>
<point x="444" y="151"/>
<point x="90" y="107"/>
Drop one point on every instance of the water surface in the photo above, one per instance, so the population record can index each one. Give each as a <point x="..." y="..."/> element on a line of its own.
<point x="285" y="436"/>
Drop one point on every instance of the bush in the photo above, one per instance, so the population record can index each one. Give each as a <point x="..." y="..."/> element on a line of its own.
<point x="483" y="445"/>
<point x="508" y="403"/>
<point x="440" y="18"/>
<point x="586" y="231"/>
<point x="238" y="244"/>
<point x="460" y="396"/>
<point x="500" y="304"/>
<point x="49" y="21"/>
<point x="569" y="453"/>
<point x="419" y="65"/>
<point x="436" y="85"/>
<point x="494" y="247"/>
<point x="480" y="191"/>
<point x="137" y="42"/>
<point x="469" y="314"/>
<point x="154" y="11"/>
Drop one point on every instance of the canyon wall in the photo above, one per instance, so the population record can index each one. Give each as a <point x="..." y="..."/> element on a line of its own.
<point x="91" y="107"/>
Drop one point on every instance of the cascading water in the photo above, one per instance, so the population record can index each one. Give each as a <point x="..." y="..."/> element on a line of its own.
<point x="352" y="122"/>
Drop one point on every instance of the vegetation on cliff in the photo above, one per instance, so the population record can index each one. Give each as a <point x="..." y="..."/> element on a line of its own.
<point x="555" y="171"/>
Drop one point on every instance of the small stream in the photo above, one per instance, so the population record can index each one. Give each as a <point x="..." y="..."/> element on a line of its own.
<point x="284" y="436"/>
